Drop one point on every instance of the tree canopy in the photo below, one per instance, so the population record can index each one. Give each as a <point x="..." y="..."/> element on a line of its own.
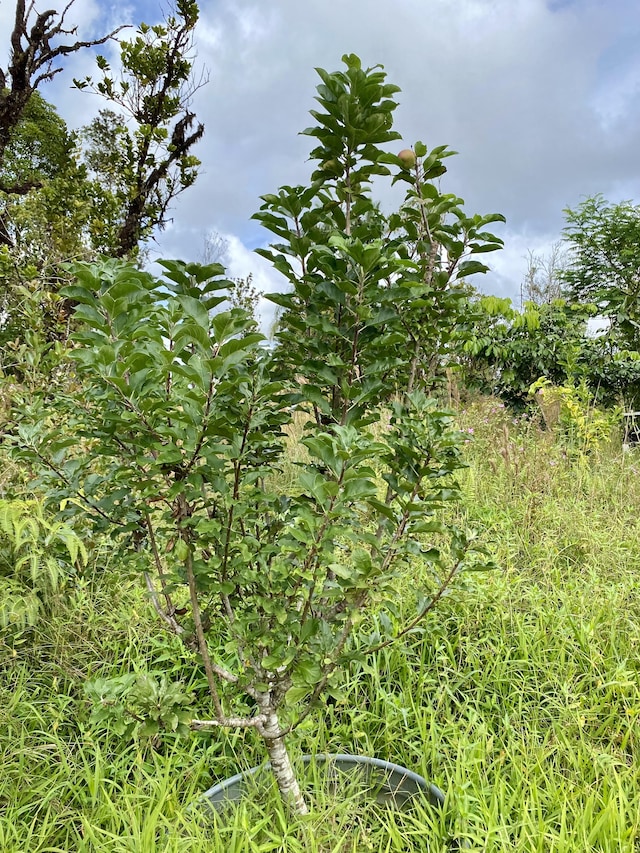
<point x="604" y="239"/>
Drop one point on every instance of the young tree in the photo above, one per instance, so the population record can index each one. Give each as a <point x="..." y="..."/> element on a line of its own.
<point x="33" y="58"/>
<point x="149" y="165"/>
<point x="348" y="337"/>
<point x="272" y="590"/>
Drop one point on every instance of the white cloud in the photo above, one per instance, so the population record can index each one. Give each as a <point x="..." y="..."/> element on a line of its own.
<point x="241" y="262"/>
<point x="617" y="96"/>
<point x="508" y="267"/>
<point x="540" y="99"/>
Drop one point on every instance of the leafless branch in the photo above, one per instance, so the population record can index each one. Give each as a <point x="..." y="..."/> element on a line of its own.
<point x="230" y="722"/>
<point x="31" y="60"/>
<point x="168" y="618"/>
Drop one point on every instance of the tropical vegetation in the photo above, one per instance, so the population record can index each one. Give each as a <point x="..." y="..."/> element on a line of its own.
<point x="406" y="528"/>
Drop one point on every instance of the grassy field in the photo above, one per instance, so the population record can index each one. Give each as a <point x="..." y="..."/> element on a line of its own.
<point x="521" y="700"/>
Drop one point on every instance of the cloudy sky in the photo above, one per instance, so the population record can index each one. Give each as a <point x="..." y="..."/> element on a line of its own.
<point x="541" y="98"/>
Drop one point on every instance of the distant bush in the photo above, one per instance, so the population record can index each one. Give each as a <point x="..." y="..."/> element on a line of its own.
<point x="586" y="426"/>
<point x="36" y="558"/>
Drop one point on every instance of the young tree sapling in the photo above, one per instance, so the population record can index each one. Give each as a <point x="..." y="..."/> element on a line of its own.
<point x="182" y="419"/>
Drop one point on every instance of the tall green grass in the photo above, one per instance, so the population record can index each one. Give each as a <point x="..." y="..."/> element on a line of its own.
<point x="521" y="698"/>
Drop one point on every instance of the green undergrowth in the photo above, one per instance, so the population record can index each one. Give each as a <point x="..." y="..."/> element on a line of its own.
<point x="521" y="698"/>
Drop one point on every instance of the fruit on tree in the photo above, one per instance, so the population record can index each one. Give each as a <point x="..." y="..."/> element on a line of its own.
<point x="408" y="158"/>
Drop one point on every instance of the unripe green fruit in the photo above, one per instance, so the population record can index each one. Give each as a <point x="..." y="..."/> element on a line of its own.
<point x="408" y="158"/>
<point x="332" y="167"/>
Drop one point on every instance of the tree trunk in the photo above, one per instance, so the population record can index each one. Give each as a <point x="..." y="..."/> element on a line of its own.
<point x="413" y="370"/>
<point x="5" y="236"/>
<point x="280" y="761"/>
<point x="129" y="235"/>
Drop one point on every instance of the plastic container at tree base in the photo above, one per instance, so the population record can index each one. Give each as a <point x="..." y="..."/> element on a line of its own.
<point x="390" y="783"/>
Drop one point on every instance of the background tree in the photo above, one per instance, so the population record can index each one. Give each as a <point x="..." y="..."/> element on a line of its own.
<point x="47" y="223"/>
<point x="244" y="293"/>
<point x="246" y="296"/>
<point x="215" y="249"/>
<point x="106" y="153"/>
<point x="39" y="229"/>
<point x="33" y="59"/>
<point x="505" y="351"/>
<point x="612" y="372"/>
<point x="149" y="164"/>
<point x="543" y="278"/>
<point x="65" y="196"/>
<point x="604" y="268"/>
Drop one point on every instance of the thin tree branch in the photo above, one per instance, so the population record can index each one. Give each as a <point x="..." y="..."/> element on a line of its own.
<point x="229" y="722"/>
<point x="48" y="464"/>
<point x="158" y="561"/>
<point x="425" y="610"/>
<point x="21" y="188"/>
<point x="168" y="618"/>
<point x="202" y="640"/>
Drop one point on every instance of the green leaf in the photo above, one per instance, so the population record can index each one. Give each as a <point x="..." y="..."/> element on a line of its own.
<point x="194" y="309"/>
<point x="468" y="268"/>
<point x="308" y="672"/>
